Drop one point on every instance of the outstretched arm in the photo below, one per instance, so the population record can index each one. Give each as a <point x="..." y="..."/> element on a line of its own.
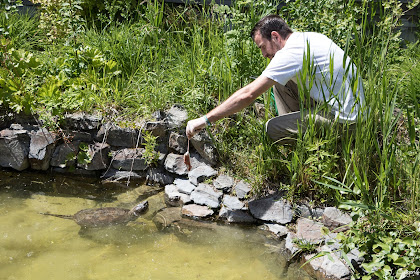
<point x="236" y="102"/>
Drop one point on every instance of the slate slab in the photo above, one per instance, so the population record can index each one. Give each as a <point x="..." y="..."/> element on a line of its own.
<point x="242" y="189"/>
<point x="14" y="149"/>
<point x="41" y="149"/>
<point x="200" y="174"/>
<point x="309" y="230"/>
<point x="204" y="194"/>
<point x="334" y="218"/>
<point x="196" y="211"/>
<point x="272" y="209"/>
<point x="236" y="216"/>
<point x="224" y="183"/>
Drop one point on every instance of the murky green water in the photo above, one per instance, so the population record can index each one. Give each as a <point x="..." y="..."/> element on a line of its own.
<point x="34" y="246"/>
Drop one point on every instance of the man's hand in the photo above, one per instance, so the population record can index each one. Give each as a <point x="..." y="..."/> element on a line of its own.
<point x="194" y="126"/>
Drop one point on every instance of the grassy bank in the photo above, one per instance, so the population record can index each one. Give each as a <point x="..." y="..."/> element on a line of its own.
<point x="139" y="58"/>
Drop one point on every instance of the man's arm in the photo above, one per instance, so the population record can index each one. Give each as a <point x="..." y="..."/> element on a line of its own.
<point x="236" y="102"/>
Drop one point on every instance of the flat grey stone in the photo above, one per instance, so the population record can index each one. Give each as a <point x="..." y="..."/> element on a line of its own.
<point x="271" y="209"/>
<point x="157" y="128"/>
<point x="306" y="211"/>
<point x="242" y="189"/>
<point x="201" y="173"/>
<point x="196" y="211"/>
<point x="204" y="194"/>
<point x="204" y="146"/>
<point x="276" y="229"/>
<point x="82" y="121"/>
<point x="236" y="216"/>
<point x="174" y="163"/>
<point x="159" y="176"/>
<point x="330" y="268"/>
<point x="309" y="230"/>
<point x="174" y="198"/>
<point x="184" y="186"/>
<point x="224" y="183"/>
<point x="232" y="202"/>
<point x="334" y="218"/>
<point x="118" y="136"/>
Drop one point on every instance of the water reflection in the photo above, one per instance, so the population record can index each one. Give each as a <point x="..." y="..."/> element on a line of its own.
<point x="36" y="246"/>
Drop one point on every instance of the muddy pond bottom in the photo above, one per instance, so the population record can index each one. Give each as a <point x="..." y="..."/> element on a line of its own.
<point x="35" y="246"/>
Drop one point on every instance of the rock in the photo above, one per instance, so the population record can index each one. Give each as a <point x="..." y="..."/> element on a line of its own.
<point x="235" y="216"/>
<point x="14" y="149"/>
<point x="242" y="189"/>
<point x="309" y="230"/>
<point x="129" y="160"/>
<point x="204" y="146"/>
<point x="97" y="154"/>
<point x="204" y="194"/>
<point x="167" y="217"/>
<point x="271" y="209"/>
<point x="178" y="142"/>
<point x="41" y="148"/>
<point x="157" y="128"/>
<point x="201" y="173"/>
<point x="233" y="203"/>
<point x="174" y="163"/>
<point x="114" y="175"/>
<point x="174" y="198"/>
<point x="276" y="229"/>
<point x="196" y="211"/>
<point x="306" y="211"/>
<point x="82" y="121"/>
<point x="224" y="183"/>
<point x="159" y="176"/>
<point x="333" y="218"/>
<point x="289" y="244"/>
<point x="334" y="268"/>
<point x="184" y="186"/>
<point x="65" y="155"/>
<point x="77" y="136"/>
<point x="117" y="136"/>
<point x="176" y="116"/>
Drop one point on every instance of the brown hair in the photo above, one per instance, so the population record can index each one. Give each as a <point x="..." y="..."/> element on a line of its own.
<point x="271" y="23"/>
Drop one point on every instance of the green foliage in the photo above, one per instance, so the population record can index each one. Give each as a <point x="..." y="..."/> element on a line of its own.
<point x="149" y="154"/>
<point x="83" y="156"/>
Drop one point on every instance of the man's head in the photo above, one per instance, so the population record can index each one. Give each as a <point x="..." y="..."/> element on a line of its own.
<point x="270" y="34"/>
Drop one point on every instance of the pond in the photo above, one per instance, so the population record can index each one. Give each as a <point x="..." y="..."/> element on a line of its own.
<point x="36" y="246"/>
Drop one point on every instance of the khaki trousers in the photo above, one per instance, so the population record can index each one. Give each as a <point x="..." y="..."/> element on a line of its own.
<point x="285" y="127"/>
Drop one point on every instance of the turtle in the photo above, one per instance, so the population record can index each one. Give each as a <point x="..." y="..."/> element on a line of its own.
<point x="102" y="217"/>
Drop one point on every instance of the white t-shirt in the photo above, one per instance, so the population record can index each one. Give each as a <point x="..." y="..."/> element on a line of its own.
<point x="342" y="89"/>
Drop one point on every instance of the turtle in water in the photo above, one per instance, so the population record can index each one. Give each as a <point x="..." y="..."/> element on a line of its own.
<point x="101" y="217"/>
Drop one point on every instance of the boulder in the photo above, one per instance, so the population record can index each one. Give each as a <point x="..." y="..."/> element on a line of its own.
<point x="117" y="136"/>
<point x="331" y="266"/>
<point x="272" y="209"/>
<point x="65" y="155"/>
<point x="82" y="121"/>
<point x="174" y="198"/>
<point x="129" y="159"/>
<point x="242" y="189"/>
<point x="223" y="183"/>
<point x="204" y="146"/>
<point x="236" y="216"/>
<point x="178" y="142"/>
<point x="334" y="218"/>
<point x="309" y="230"/>
<point x="184" y="186"/>
<point x="174" y="163"/>
<point x="14" y="149"/>
<point x="204" y="194"/>
<point x="159" y="176"/>
<point x="196" y="211"/>
<point x="96" y="157"/>
<point x="157" y="128"/>
<point x="276" y="229"/>
<point x="41" y="149"/>
<point x="201" y="173"/>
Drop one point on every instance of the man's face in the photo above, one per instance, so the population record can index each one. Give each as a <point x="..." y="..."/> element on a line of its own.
<point x="269" y="47"/>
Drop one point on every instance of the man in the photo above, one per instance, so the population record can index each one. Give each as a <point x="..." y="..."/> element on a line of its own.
<point x="341" y="89"/>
